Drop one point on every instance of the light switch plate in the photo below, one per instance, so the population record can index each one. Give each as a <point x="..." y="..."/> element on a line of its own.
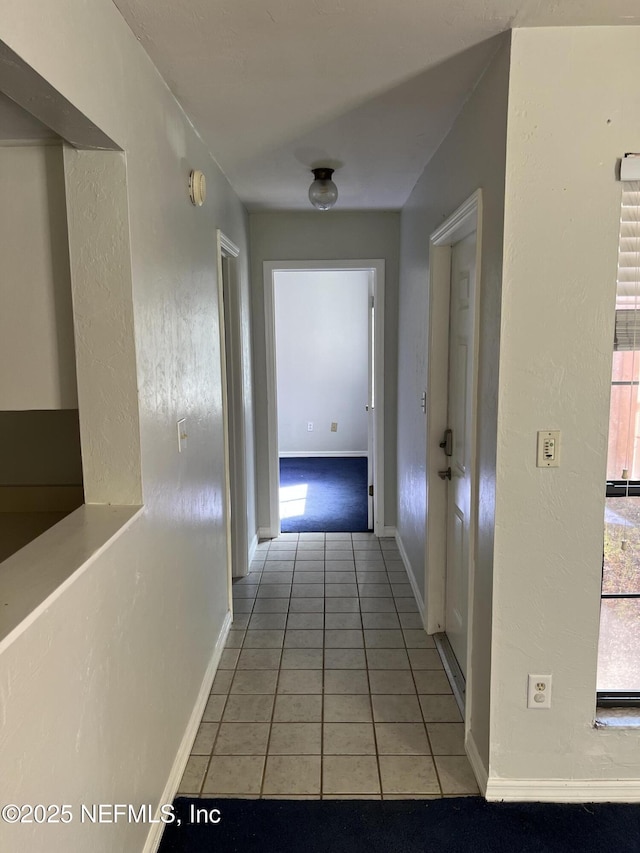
<point x="548" y="449"/>
<point x="182" y="435"/>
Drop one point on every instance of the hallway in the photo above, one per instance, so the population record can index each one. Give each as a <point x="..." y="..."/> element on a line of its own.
<point x="328" y="686"/>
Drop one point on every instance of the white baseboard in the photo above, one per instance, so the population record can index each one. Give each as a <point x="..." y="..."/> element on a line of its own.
<point x="253" y="545"/>
<point x="180" y="762"/>
<point x="387" y="533"/>
<point x="411" y="576"/>
<point x="306" y="454"/>
<point x="563" y="790"/>
<point x="477" y="764"/>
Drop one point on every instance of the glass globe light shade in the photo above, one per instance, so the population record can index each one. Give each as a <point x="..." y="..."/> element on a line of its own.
<point x="323" y="193"/>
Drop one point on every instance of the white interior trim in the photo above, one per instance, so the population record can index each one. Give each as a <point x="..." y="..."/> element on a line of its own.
<point x="253" y="547"/>
<point x="563" y="790"/>
<point x="378" y="287"/>
<point x="184" y="750"/>
<point x="377" y="267"/>
<point x="462" y="222"/>
<point x="273" y="528"/>
<point x="226" y="246"/>
<point x="225" y="419"/>
<point x="233" y="405"/>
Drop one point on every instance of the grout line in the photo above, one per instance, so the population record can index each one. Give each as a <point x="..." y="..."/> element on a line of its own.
<point x="435" y="770"/>
<point x="413" y="677"/>
<point x="215" y="740"/>
<point x="271" y="721"/>
<point x="373" y="721"/>
<point x="424" y="725"/>
<point x="275" y="697"/>
<point x="359" y="583"/>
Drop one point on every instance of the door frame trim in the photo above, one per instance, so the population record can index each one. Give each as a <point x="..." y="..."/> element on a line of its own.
<point x="234" y="468"/>
<point x="377" y="267"/>
<point x="462" y="222"/>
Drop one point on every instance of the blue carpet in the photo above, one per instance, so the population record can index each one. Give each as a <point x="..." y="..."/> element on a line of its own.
<point x="452" y="825"/>
<point x="323" y="494"/>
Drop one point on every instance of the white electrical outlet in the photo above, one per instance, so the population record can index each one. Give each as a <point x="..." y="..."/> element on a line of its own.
<point x="548" y="449"/>
<point x="309" y="426"/>
<point x="334" y="426"/>
<point x="539" y="691"/>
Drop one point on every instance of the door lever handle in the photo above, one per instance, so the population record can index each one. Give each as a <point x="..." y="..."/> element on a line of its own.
<point x="447" y="442"/>
<point x="445" y="475"/>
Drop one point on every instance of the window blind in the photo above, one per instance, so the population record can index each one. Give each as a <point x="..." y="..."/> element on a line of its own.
<point x="627" y="329"/>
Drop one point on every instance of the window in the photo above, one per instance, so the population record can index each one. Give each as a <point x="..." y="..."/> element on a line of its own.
<point x="619" y="646"/>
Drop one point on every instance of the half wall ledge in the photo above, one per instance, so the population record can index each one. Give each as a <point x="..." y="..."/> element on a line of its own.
<point x="32" y="578"/>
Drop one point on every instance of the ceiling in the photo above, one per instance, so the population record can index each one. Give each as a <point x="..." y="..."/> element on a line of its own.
<point x="370" y="87"/>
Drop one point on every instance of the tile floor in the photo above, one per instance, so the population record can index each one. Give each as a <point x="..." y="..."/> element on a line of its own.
<point x="328" y="686"/>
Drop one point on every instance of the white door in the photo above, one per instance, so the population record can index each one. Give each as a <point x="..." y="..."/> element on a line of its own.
<point x="371" y="402"/>
<point x="460" y="419"/>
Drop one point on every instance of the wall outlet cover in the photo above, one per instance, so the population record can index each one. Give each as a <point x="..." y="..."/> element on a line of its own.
<point x="539" y="691"/>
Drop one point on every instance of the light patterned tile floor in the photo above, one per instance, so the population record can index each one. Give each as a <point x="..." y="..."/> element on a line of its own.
<point x="328" y="686"/>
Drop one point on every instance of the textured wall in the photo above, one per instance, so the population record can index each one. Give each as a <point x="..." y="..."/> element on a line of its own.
<point x="471" y="156"/>
<point x="100" y="259"/>
<point x="334" y="236"/>
<point x="37" y="359"/>
<point x="562" y="213"/>
<point x="97" y="691"/>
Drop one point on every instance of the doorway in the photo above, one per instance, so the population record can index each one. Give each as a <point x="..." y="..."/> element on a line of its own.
<point x="233" y="405"/>
<point x="451" y="435"/>
<point x="338" y="411"/>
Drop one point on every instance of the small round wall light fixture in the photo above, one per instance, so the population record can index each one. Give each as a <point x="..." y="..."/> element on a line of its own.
<point x="197" y="187"/>
<point x="323" y="193"/>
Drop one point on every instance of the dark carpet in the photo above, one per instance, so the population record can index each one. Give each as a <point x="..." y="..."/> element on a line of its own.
<point x="455" y="825"/>
<point x="332" y="496"/>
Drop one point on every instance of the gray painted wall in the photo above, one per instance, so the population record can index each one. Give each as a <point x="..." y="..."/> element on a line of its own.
<point x="471" y="156"/>
<point x="39" y="433"/>
<point x="330" y="236"/>
<point x="562" y="216"/>
<point x="100" y="695"/>
<point x="37" y="357"/>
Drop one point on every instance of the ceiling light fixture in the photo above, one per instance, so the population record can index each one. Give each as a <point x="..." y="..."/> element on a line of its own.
<point x="323" y="193"/>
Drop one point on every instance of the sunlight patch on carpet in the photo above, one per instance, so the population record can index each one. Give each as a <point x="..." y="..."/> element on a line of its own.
<point x="293" y="500"/>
